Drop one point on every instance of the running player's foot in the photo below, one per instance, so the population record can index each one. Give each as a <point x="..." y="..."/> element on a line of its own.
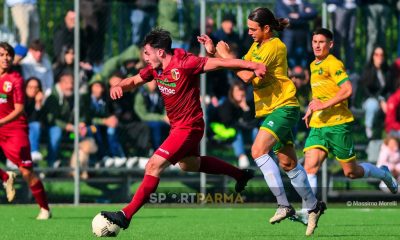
<point x="300" y="216"/>
<point x="282" y="213"/>
<point x="313" y="217"/>
<point x="241" y="184"/>
<point x="9" y="186"/>
<point x="44" y="214"/>
<point x="117" y="218"/>
<point x="389" y="180"/>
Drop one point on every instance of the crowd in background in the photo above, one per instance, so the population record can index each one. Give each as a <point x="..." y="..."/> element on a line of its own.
<point x="112" y="132"/>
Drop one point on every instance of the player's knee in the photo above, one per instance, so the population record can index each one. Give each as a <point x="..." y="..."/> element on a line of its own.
<point x="287" y="166"/>
<point x="152" y="168"/>
<point x="351" y="174"/>
<point x="257" y="152"/>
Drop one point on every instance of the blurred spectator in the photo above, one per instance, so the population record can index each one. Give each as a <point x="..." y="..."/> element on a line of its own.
<point x="297" y="36"/>
<point x="143" y="19"/>
<point x="389" y="156"/>
<point x="149" y="106"/>
<point x="65" y="62"/>
<point x="134" y="134"/>
<point x="392" y="119"/>
<point x="58" y="109"/>
<point x="37" y="64"/>
<point x="233" y="120"/>
<point x="94" y="15"/>
<point x="173" y="18"/>
<point x="26" y="19"/>
<point x="125" y="63"/>
<point x="343" y="13"/>
<point x="377" y="85"/>
<point x="33" y="108"/>
<point x="102" y="123"/>
<point x="377" y="13"/>
<point x="64" y="36"/>
<point x="194" y="45"/>
<point x="226" y="33"/>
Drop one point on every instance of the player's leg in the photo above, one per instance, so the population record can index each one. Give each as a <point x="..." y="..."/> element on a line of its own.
<point x="263" y="143"/>
<point x="8" y="183"/>
<point x="38" y="192"/>
<point x="154" y="167"/>
<point x="213" y="165"/>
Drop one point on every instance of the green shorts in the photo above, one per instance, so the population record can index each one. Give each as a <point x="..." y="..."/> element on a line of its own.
<point x="337" y="139"/>
<point x="280" y="123"/>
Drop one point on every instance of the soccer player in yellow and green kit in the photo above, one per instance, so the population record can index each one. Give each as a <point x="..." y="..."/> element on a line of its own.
<point x="330" y="119"/>
<point x="276" y="103"/>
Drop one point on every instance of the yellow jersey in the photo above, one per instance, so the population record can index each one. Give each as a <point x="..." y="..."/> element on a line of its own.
<point x="326" y="78"/>
<point x="275" y="90"/>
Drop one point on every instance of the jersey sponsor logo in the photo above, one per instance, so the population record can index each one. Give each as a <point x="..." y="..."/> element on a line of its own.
<point x="166" y="82"/>
<point x="338" y="72"/>
<point x="166" y="91"/>
<point x="3" y="98"/>
<point x="320" y="71"/>
<point x="7" y="86"/>
<point x="175" y="74"/>
<point x="163" y="150"/>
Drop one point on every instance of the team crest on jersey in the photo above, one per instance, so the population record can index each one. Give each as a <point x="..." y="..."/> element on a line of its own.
<point x="7" y="86"/>
<point x="175" y="74"/>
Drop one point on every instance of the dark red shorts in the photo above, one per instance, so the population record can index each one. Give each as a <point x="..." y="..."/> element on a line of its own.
<point x="16" y="147"/>
<point x="181" y="143"/>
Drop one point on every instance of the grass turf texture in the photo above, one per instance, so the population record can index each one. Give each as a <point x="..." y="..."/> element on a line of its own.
<point x="164" y="222"/>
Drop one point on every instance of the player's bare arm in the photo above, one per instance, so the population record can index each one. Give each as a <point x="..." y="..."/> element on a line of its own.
<point x="18" y="110"/>
<point x="257" y="69"/>
<point x="127" y="84"/>
<point x="344" y="93"/>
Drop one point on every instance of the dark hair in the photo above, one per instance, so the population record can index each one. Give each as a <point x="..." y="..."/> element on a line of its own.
<point x="159" y="38"/>
<point x="66" y="72"/>
<point x="37" y="45"/>
<point x="229" y="17"/>
<point x="8" y="48"/>
<point x="34" y="79"/>
<point x="264" y="16"/>
<point x="239" y="85"/>
<point x="325" y="32"/>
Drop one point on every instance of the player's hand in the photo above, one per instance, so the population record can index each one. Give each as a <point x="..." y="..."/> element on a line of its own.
<point x="208" y="44"/>
<point x="116" y="92"/>
<point x="316" y="105"/>
<point x="260" y="70"/>
<point x="306" y="117"/>
<point x="223" y="49"/>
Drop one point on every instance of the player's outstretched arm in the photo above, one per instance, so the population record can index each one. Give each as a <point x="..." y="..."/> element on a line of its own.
<point x="117" y="90"/>
<point x="18" y="110"/>
<point x="344" y="93"/>
<point x="257" y="69"/>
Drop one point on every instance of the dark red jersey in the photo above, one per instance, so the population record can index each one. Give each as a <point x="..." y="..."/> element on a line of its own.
<point x="179" y="85"/>
<point x="11" y="92"/>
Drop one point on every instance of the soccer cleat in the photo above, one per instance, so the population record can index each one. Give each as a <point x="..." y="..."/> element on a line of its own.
<point x="389" y="180"/>
<point x="241" y="184"/>
<point x="313" y="217"/>
<point x="9" y="186"/>
<point x="282" y="213"/>
<point x="44" y="214"/>
<point x="117" y="218"/>
<point x="300" y="216"/>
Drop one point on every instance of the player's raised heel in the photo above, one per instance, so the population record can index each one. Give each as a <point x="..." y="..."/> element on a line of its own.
<point x="389" y="180"/>
<point x="241" y="184"/>
<point x="313" y="217"/>
<point x="9" y="186"/>
<point x="117" y="218"/>
<point x="44" y="214"/>
<point x="282" y="213"/>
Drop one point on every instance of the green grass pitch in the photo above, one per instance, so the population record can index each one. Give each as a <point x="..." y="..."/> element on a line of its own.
<point x="164" y="222"/>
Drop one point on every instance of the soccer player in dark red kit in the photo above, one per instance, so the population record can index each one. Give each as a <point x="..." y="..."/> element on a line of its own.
<point x="177" y="75"/>
<point x="14" y="140"/>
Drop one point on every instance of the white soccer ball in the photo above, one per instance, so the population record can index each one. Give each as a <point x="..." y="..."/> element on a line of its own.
<point x="101" y="227"/>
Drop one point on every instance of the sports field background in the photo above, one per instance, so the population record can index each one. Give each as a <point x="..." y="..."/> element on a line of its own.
<point x="200" y="222"/>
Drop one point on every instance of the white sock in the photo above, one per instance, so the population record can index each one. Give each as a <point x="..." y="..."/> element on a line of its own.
<point x="273" y="178"/>
<point x="298" y="178"/>
<point x="371" y="170"/>
<point x="313" y="180"/>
